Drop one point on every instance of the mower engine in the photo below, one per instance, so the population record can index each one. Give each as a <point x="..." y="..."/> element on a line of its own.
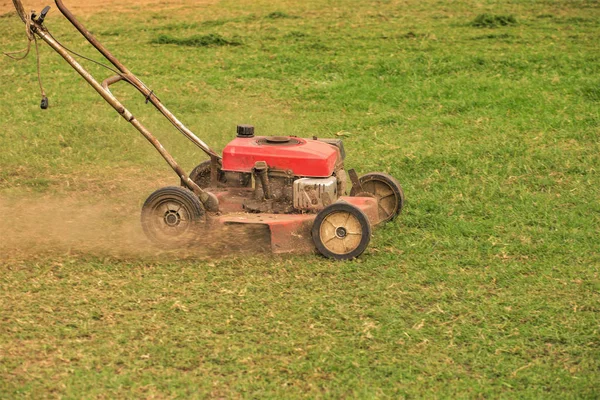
<point x="291" y="174"/>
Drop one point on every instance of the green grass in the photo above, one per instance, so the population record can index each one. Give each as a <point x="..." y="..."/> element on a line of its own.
<point x="493" y="21"/>
<point x="196" y="41"/>
<point x="486" y="286"/>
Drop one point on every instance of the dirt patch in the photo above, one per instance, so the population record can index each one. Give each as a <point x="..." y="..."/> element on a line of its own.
<point x="87" y="7"/>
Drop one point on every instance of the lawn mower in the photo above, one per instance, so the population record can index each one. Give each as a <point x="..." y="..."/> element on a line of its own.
<point x="295" y="188"/>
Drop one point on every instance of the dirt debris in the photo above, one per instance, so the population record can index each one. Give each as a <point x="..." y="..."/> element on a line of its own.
<point x="108" y="227"/>
<point x="34" y="226"/>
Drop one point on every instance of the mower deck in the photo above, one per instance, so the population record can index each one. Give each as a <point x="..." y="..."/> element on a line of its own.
<point x="289" y="233"/>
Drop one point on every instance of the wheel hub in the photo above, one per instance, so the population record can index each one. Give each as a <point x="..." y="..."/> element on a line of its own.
<point x="341" y="232"/>
<point x="172" y="218"/>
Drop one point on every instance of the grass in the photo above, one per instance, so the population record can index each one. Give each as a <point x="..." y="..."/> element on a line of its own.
<point x="196" y="41"/>
<point x="486" y="286"/>
<point x="493" y="21"/>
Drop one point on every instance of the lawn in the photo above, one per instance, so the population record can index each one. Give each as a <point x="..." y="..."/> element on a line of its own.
<point x="487" y="285"/>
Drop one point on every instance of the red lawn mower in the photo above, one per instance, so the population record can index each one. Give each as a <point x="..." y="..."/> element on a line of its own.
<point x="296" y="188"/>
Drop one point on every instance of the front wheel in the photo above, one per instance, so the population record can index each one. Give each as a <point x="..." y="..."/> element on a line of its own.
<point x="341" y="231"/>
<point x="171" y="216"/>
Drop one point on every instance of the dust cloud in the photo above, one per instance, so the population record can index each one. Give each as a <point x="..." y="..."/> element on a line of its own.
<point x="46" y="225"/>
<point x="105" y="227"/>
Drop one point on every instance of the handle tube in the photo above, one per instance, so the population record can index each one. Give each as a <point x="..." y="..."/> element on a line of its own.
<point x="90" y="38"/>
<point x="204" y="196"/>
<point x="135" y="81"/>
<point x="208" y="199"/>
<point x="20" y="10"/>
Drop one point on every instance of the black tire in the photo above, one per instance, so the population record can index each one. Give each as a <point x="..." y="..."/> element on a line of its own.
<point x="341" y="231"/>
<point x="387" y="191"/>
<point x="201" y="174"/>
<point x="172" y="217"/>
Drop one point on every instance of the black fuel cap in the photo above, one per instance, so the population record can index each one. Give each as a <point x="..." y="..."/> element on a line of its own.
<point x="245" y="131"/>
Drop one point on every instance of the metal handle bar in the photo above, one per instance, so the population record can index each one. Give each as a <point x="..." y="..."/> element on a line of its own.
<point x="20" y="10"/>
<point x="134" y="81"/>
<point x="208" y="199"/>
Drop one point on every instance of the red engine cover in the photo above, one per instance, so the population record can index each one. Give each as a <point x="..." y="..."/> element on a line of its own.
<point x="304" y="157"/>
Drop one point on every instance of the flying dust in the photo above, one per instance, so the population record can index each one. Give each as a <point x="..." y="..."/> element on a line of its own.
<point x="107" y="227"/>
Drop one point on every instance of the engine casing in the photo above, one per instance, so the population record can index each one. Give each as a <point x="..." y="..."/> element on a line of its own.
<point x="289" y="173"/>
<point x="315" y="193"/>
<point x="300" y="157"/>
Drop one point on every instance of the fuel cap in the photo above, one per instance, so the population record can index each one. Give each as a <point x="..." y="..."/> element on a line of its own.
<point x="245" y="131"/>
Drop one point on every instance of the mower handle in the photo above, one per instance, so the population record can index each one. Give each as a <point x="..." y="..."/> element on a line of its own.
<point x="127" y="75"/>
<point x="208" y="199"/>
<point x="20" y="10"/>
<point x="90" y="38"/>
<point x="133" y="80"/>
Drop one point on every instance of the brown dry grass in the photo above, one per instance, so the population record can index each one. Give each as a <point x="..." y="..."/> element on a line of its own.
<point x="87" y="7"/>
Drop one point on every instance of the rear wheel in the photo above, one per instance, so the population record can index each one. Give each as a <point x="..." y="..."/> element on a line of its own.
<point x="341" y="231"/>
<point x="171" y="216"/>
<point x="387" y="191"/>
<point x="201" y="174"/>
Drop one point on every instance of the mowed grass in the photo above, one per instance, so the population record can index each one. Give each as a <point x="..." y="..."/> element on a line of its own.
<point x="486" y="286"/>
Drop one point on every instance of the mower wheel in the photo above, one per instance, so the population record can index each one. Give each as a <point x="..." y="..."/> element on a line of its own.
<point x="387" y="191"/>
<point x="201" y="174"/>
<point x="171" y="216"/>
<point x="341" y="231"/>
